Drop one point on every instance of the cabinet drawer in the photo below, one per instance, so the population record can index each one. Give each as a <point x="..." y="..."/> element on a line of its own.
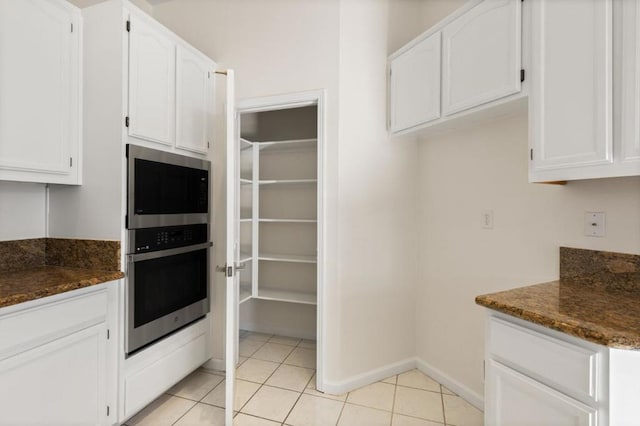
<point x="569" y="368"/>
<point x="147" y="384"/>
<point x="23" y="330"/>
<point x="512" y="398"/>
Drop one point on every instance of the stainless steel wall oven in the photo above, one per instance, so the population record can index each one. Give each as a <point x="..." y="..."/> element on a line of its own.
<point x="165" y="189"/>
<point x="168" y="267"/>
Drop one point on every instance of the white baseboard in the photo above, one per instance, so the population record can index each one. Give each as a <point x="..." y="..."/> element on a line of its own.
<point x="455" y="386"/>
<point x="354" y="382"/>
<point x="279" y="331"/>
<point x="215" y="364"/>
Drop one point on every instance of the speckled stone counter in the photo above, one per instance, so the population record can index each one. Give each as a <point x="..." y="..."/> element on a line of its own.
<point x="597" y="298"/>
<point x="35" y="268"/>
<point x="31" y="284"/>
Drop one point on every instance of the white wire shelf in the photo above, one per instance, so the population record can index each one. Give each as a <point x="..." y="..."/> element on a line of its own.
<point x="287" y="145"/>
<point x="287" y="258"/>
<point x="245" y="257"/>
<point x="270" y="220"/>
<point x="288" y="181"/>
<point x="287" y="296"/>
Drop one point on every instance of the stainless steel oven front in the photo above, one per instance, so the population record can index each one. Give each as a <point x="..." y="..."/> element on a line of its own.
<point x="167" y="281"/>
<point x="165" y="189"/>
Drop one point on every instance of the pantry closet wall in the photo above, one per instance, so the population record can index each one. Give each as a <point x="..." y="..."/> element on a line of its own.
<point x="279" y="221"/>
<point x="285" y="46"/>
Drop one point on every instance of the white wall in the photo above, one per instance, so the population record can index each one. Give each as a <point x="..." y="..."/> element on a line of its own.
<point x="378" y="244"/>
<point x="485" y="167"/>
<point x="284" y="46"/>
<point x="22" y="210"/>
<point x="275" y="47"/>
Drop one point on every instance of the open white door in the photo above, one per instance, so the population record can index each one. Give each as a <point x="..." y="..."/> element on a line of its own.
<point x="232" y="278"/>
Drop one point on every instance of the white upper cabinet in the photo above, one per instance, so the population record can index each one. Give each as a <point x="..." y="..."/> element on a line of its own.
<point x="468" y="64"/>
<point x="571" y="95"/>
<point x="481" y="55"/>
<point x="629" y="144"/>
<point x="194" y="93"/>
<point x="152" y="82"/>
<point x="415" y="85"/>
<point x="171" y="88"/>
<point x="40" y="91"/>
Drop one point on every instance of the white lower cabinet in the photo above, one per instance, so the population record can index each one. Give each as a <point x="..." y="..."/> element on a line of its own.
<point x="538" y="376"/>
<point x="516" y="399"/>
<point x="61" y="382"/>
<point x="55" y="366"/>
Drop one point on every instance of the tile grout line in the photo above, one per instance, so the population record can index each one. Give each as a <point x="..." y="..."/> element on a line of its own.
<point x="196" y="402"/>
<point x="444" y="414"/>
<point x="299" y="396"/>
<point x="393" y="403"/>
<point x="236" y="378"/>
<point x="344" y="404"/>
<point x="184" y="414"/>
<point x="259" y="387"/>
<point x="265" y="381"/>
<point x="300" y="393"/>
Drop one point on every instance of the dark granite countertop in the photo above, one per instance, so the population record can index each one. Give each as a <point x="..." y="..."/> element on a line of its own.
<point x="34" y="268"/>
<point x="30" y="284"/>
<point x="597" y="298"/>
<point x="609" y="318"/>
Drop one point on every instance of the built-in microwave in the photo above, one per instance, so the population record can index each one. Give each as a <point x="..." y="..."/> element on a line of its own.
<point x="165" y="189"/>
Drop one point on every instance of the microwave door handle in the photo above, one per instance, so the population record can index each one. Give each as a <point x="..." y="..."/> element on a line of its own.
<point x="169" y="252"/>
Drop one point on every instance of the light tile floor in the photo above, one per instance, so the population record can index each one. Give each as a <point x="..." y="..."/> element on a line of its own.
<point x="276" y="386"/>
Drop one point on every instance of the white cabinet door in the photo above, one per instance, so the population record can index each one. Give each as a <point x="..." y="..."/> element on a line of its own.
<point x="39" y="90"/>
<point x="415" y="85"/>
<point x="630" y="135"/>
<point x="571" y="97"/>
<point x="59" y="383"/>
<point x="152" y="82"/>
<point x="481" y="55"/>
<point x="513" y="399"/>
<point x="194" y="87"/>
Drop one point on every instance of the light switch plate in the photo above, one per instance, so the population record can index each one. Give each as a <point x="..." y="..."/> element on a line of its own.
<point x="594" y="224"/>
<point x="487" y="219"/>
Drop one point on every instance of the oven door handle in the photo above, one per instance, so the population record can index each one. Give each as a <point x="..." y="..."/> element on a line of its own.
<point x="169" y="252"/>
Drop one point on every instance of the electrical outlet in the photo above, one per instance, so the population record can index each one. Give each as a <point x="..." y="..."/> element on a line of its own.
<point x="487" y="219"/>
<point x="594" y="224"/>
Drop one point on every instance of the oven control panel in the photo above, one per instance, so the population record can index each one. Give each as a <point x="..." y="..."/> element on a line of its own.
<point x="168" y="237"/>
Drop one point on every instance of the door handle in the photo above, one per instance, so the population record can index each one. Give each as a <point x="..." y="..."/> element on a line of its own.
<point x="228" y="270"/>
